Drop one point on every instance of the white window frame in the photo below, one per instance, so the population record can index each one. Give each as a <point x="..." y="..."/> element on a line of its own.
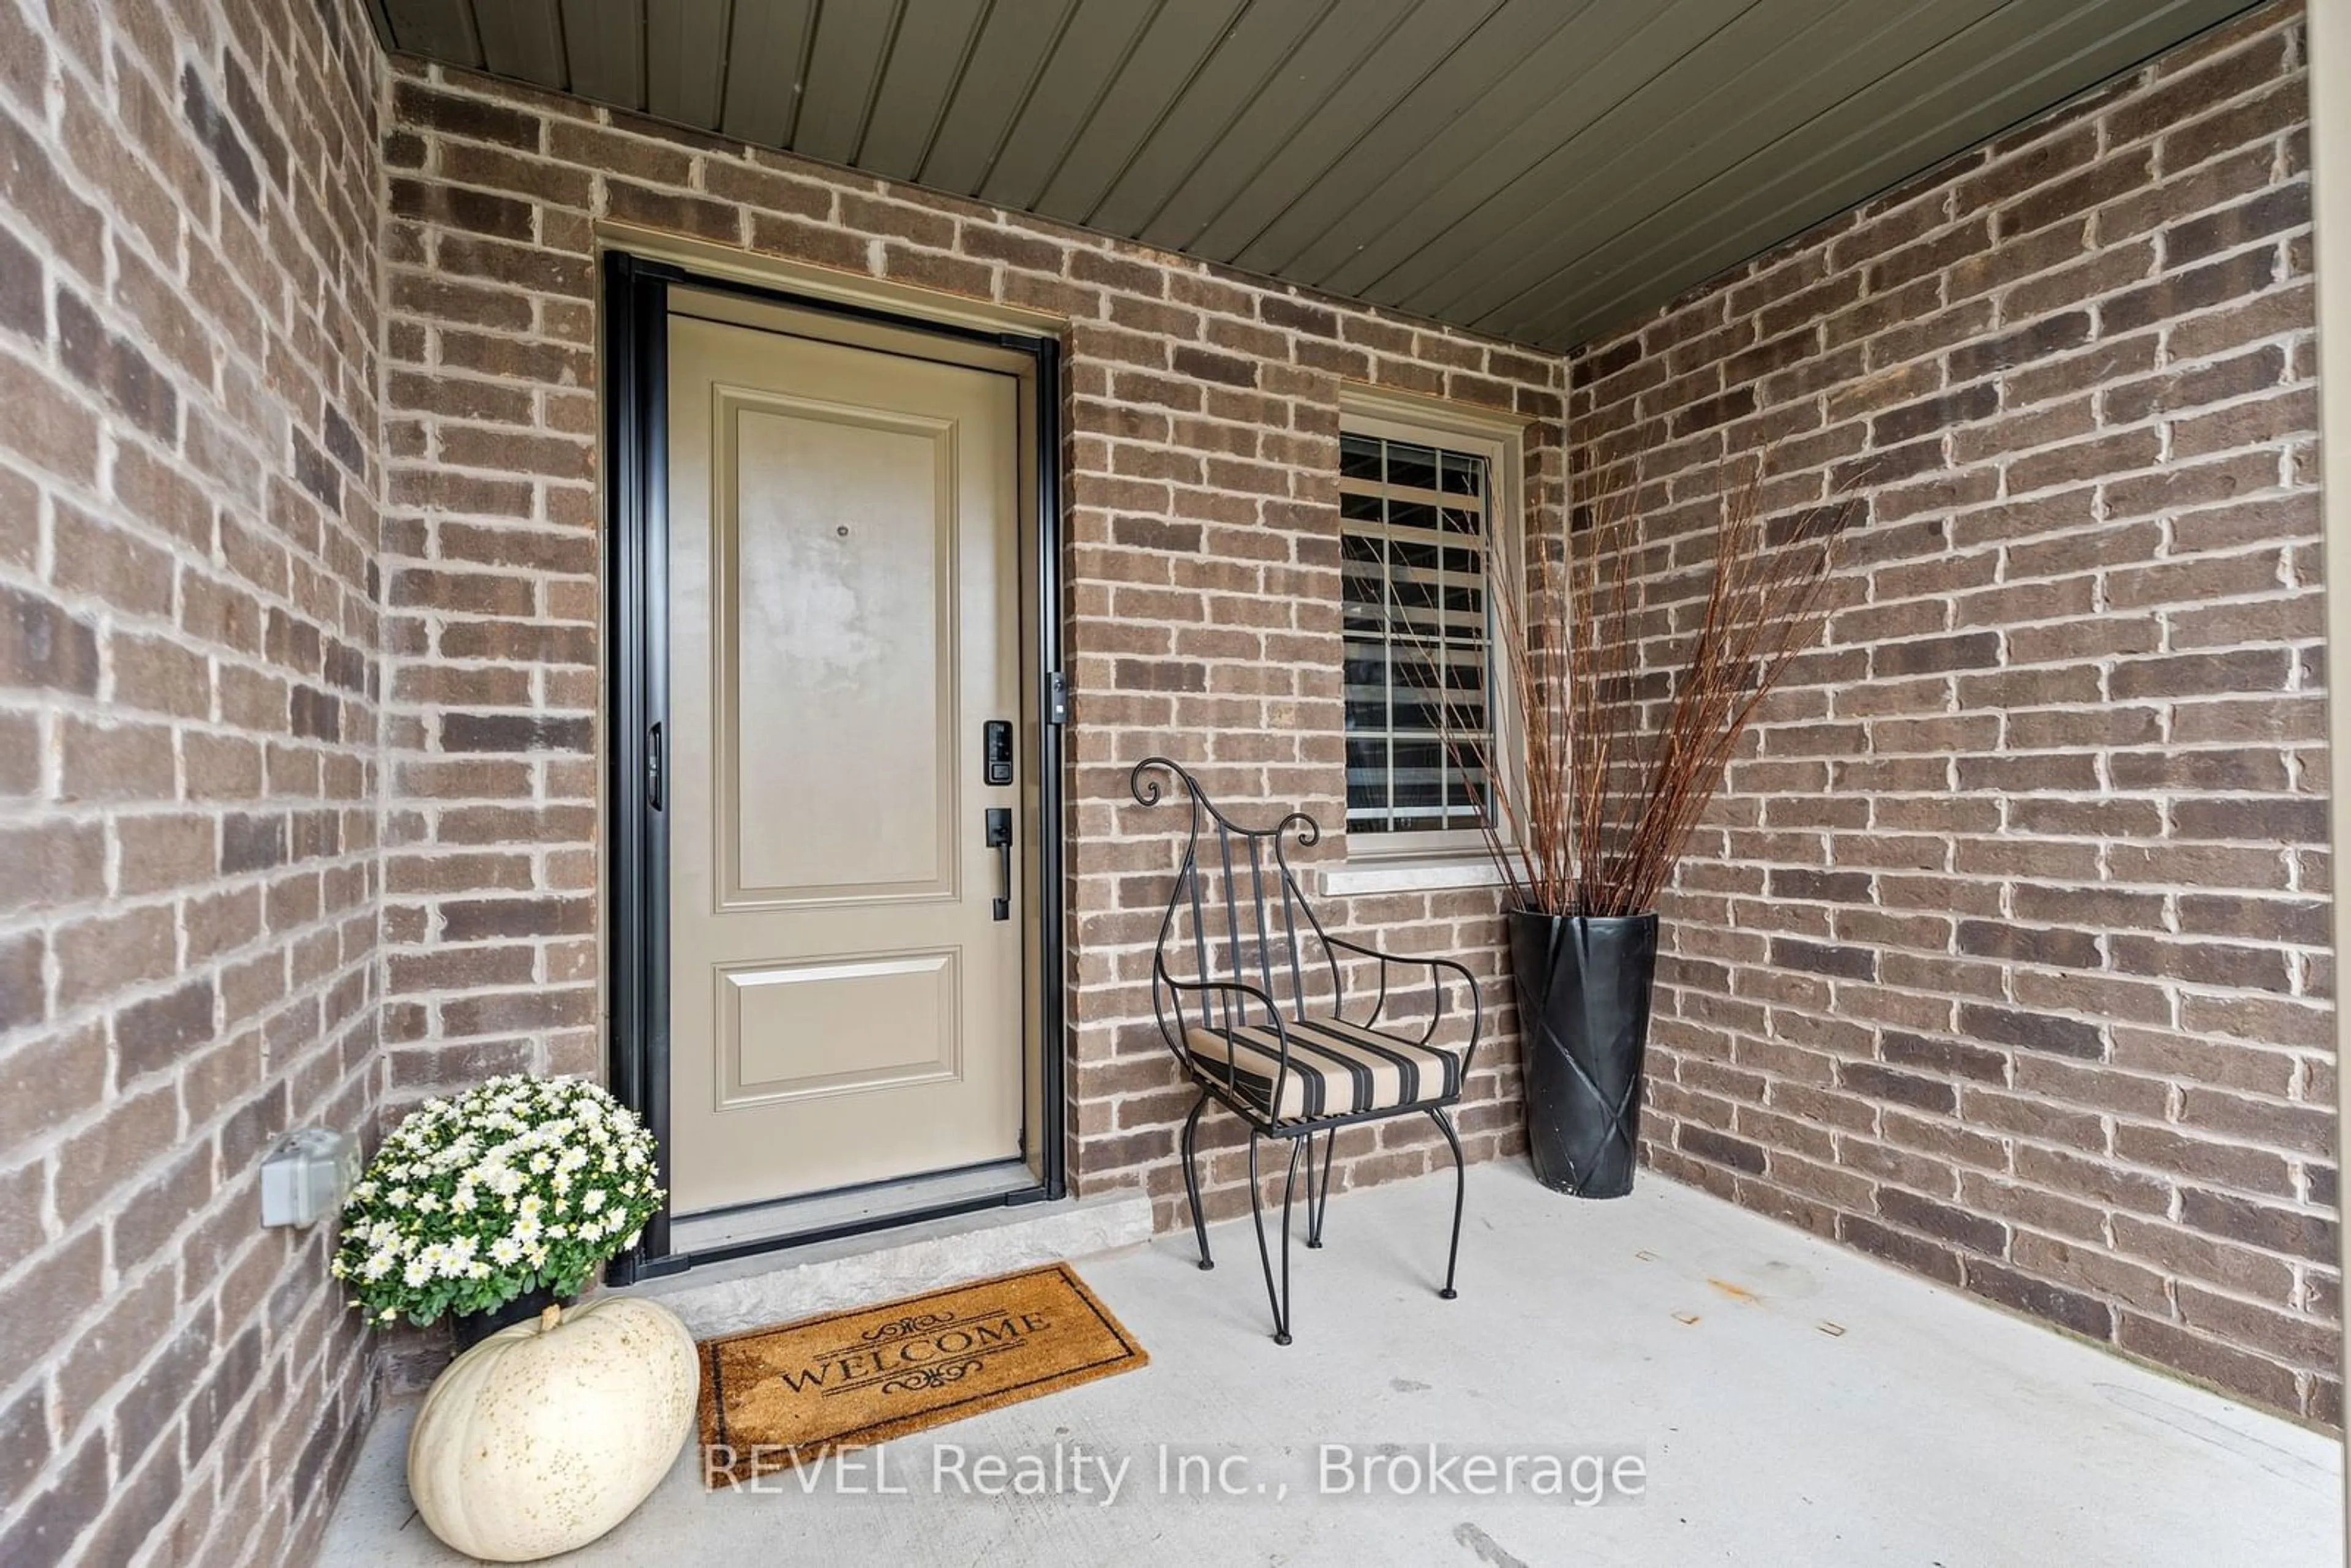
<point x="1450" y="857"/>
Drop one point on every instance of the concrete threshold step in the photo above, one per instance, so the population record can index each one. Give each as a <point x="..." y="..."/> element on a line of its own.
<point x="905" y="1260"/>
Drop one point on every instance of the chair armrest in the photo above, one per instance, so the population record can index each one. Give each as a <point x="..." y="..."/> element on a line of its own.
<point x="1231" y="988"/>
<point x="1237" y="988"/>
<point x="1437" y="968"/>
<point x="1453" y="964"/>
<point x="1254" y="993"/>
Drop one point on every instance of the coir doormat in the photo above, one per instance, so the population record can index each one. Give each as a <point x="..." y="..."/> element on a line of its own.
<point x="772" y="1398"/>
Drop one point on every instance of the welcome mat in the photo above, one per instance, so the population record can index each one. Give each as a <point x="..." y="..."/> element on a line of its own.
<point x="772" y="1398"/>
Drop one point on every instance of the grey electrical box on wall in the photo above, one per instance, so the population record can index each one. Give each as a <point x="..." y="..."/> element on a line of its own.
<point x="304" y="1179"/>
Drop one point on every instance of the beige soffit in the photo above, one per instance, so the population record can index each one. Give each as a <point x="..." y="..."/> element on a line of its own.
<point x="1537" y="169"/>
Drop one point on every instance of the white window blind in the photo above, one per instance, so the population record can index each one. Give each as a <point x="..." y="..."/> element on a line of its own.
<point x="1415" y="548"/>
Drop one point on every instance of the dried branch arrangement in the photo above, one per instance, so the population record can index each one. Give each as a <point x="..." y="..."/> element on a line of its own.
<point x="1619" y="772"/>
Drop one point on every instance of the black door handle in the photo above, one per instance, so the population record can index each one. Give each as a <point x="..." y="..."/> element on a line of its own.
<point x="999" y="839"/>
<point x="653" y="764"/>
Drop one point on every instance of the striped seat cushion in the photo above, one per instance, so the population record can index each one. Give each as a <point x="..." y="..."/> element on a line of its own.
<point x="1336" y="1069"/>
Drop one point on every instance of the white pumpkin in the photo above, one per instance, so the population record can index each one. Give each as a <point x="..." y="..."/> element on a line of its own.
<point x="547" y="1434"/>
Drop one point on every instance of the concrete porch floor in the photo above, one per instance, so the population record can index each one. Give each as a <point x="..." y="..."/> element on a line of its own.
<point x="1791" y="1401"/>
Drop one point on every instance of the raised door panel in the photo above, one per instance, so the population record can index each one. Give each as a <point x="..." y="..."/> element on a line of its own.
<point x="836" y="638"/>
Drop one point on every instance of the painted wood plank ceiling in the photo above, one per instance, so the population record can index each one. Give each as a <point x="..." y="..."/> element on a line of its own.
<point x="1539" y="169"/>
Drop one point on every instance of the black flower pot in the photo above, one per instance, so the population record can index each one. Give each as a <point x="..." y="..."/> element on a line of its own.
<point x="1584" y="988"/>
<point x="472" y="1327"/>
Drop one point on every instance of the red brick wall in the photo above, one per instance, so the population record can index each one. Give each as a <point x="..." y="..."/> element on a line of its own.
<point x="2004" y="956"/>
<point x="188" y="490"/>
<point x="1201" y="477"/>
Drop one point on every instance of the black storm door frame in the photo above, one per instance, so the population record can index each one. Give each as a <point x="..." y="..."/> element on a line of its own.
<point x="636" y="870"/>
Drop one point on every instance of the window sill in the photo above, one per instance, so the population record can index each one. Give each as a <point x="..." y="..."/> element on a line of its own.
<point x="1436" y="874"/>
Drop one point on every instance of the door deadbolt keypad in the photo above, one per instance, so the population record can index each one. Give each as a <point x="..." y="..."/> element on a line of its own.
<point x="996" y="748"/>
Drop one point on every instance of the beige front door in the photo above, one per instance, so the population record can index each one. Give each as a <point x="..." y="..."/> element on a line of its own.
<point x="845" y="990"/>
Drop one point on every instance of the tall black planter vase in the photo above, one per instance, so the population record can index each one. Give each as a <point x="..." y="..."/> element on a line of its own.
<point x="1584" y="1028"/>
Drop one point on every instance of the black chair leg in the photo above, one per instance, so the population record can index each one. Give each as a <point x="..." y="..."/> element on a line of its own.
<point x="1318" y="1200"/>
<point x="1461" y="1192"/>
<point x="1192" y="1176"/>
<point x="1277" y="1298"/>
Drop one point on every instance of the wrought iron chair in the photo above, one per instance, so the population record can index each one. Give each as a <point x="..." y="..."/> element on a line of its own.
<point x="1253" y="1027"/>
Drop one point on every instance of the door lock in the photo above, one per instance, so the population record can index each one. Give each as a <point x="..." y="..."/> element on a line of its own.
<point x="999" y="839"/>
<point x="996" y="750"/>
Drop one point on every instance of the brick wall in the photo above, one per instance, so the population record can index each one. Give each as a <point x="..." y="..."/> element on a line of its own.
<point x="1201" y="467"/>
<point x="2005" y="955"/>
<point x="188" y="325"/>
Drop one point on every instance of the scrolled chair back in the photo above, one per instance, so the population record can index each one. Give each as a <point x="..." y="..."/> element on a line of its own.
<point x="1237" y="917"/>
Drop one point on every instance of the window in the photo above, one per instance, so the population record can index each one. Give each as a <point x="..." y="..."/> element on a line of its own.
<point x="1418" y="513"/>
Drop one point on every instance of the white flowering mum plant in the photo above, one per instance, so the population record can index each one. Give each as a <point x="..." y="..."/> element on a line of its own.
<point x="519" y="1185"/>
